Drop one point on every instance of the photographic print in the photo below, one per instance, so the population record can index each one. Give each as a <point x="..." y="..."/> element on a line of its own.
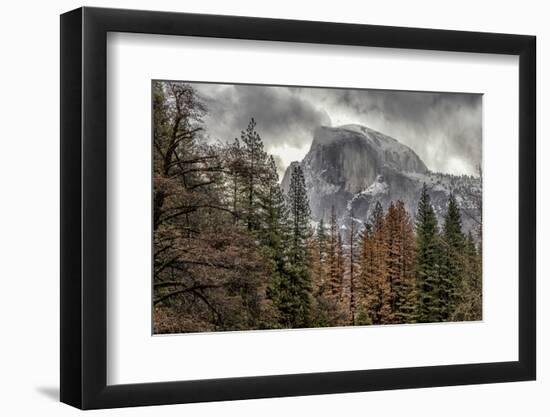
<point x="287" y="207"/>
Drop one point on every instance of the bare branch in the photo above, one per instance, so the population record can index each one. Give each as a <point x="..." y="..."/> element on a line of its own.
<point x="184" y="290"/>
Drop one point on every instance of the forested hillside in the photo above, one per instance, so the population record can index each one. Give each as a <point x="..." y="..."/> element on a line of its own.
<point x="232" y="251"/>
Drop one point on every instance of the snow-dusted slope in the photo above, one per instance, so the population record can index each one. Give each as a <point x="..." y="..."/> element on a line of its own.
<point x="351" y="167"/>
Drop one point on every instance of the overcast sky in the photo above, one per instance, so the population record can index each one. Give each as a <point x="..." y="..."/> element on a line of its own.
<point x="443" y="129"/>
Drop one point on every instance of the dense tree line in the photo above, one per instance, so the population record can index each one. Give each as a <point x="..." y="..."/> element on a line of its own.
<point x="233" y="251"/>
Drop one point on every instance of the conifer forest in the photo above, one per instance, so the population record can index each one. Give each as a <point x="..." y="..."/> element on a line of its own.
<point x="237" y="248"/>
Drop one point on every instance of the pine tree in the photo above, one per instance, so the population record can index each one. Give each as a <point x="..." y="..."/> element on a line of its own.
<point x="392" y="242"/>
<point x="473" y="279"/>
<point x="296" y="287"/>
<point x="352" y="268"/>
<point x="329" y="298"/>
<point x="274" y="233"/>
<point x="299" y="215"/>
<point x="427" y="260"/>
<point x="319" y="255"/>
<point x="453" y="260"/>
<point x="469" y="305"/>
<point x="340" y="262"/>
<point x="373" y="283"/>
<point x="234" y="166"/>
<point x="334" y="286"/>
<point x="273" y="213"/>
<point x="365" y="281"/>
<point x="318" y="248"/>
<point x="405" y="286"/>
<point x="321" y="234"/>
<point x="381" y="251"/>
<point x="254" y="167"/>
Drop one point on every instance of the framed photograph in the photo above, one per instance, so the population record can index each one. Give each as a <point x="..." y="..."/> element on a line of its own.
<point x="257" y="208"/>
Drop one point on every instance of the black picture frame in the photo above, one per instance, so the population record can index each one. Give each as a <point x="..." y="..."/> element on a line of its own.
<point x="84" y="207"/>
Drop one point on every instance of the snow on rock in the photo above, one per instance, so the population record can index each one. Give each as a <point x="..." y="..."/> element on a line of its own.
<point x="377" y="187"/>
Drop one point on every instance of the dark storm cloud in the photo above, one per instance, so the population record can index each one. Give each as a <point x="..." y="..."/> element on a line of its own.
<point x="282" y="116"/>
<point x="444" y="129"/>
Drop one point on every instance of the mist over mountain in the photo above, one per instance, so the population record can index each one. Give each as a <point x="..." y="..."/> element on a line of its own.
<point x="351" y="167"/>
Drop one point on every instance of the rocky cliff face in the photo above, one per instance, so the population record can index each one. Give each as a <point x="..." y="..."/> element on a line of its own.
<point x="352" y="167"/>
